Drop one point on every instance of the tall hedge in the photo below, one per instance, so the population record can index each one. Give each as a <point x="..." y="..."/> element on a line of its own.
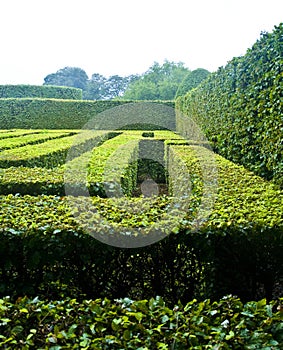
<point x="24" y="91"/>
<point x="37" y="113"/>
<point x="240" y="107"/>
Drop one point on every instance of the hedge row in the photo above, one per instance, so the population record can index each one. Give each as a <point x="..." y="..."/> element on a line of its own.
<point x="39" y="180"/>
<point x="105" y="169"/>
<point x="38" y="91"/>
<point x="7" y="134"/>
<point x="240" y="109"/>
<point x="234" y="246"/>
<point x="238" y="220"/>
<point x="31" y="139"/>
<point x="140" y="325"/>
<point x="51" y="153"/>
<point x="69" y="114"/>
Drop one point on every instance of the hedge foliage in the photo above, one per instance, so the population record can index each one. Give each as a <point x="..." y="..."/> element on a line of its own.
<point x="53" y="152"/>
<point x="236" y="249"/>
<point x="40" y="91"/>
<point x="191" y="81"/>
<point x="25" y="179"/>
<point x="140" y="324"/>
<point x="27" y="113"/>
<point x="240" y="108"/>
<point x="242" y="234"/>
<point x="30" y="139"/>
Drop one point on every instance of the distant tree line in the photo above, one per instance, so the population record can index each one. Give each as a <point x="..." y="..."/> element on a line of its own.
<point x="159" y="82"/>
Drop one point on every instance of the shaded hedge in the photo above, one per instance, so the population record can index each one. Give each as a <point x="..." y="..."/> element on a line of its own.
<point x="240" y="109"/>
<point x="38" y="91"/>
<point x="70" y="114"/>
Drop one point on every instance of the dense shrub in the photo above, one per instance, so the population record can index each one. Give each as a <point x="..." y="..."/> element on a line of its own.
<point x="239" y="107"/>
<point x="238" y="249"/>
<point x="41" y="180"/>
<point x="69" y="114"/>
<point x="191" y="81"/>
<point x="140" y="325"/>
<point x="38" y="91"/>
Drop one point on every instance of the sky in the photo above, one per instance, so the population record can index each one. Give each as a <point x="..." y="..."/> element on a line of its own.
<point x="124" y="37"/>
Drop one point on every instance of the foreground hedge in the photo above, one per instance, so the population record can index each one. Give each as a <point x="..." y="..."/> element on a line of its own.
<point x="27" y="113"/>
<point x="38" y="91"/>
<point x="140" y="325"/>
<point x="239" y="107"/>
<point x="237" y="249"/>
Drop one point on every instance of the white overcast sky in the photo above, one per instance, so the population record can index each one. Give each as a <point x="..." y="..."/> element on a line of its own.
<point x="125" y="37"/>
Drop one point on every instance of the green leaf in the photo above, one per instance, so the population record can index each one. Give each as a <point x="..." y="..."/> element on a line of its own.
<point x="127" y="334"/>
<point x="17" y="330"/>
<point x="164" y="319"/>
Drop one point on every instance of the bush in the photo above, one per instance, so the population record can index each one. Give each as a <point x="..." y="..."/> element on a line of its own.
<point x="27" y="91"/>
<point x="145" y="324"/>
<point x="69" y="114"/>
<point x="191" y="81"/>
<point x="239" y="107"/>
<point x="237" y="249"/>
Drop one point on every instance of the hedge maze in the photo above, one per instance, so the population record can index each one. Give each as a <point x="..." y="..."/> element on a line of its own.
<point x="136" y="235"/>
<point x="223" y="221"/>
<point x="111" y="167"/>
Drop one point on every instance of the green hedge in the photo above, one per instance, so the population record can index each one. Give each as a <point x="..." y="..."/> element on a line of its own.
<point x="238" y="249"/>
<point x="31" y="139"/>
<point x="52" y="152"/>
<point x="140" y="325"/>
<point x="69" y="114"/>
<point x="239" y="107"/>
<point x="39" y="180"/>
<point x="10" y="133"/>
<point x="106" y="169"/>
<point x="243" y="234"/>
<point x="38" y="91"/>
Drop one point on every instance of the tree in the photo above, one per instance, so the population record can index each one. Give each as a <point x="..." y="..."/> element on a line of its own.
<point x="101" y="88"/>
<point x="68" y="76"/>
<point x="117" y="85"/>
<point x="159" y="82"/>
<point x="191" y="81"/>
<point x="96" y="88"/>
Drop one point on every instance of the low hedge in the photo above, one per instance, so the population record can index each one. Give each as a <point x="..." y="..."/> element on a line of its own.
<point x="31" y="139"/>
<point x="7" y="134"/>
<point x="227" y="323"/>
<point x="114" y="164"/>
<point x="243" y="234"/>
<point x="40" y="91"/>
<point x="27" y="113"/>
<point x="52" y="152"/>
<point x="39" y="180"/>
<point x="236" y="249"/>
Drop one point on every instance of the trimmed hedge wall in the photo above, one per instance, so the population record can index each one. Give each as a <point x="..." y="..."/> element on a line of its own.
<point x="240" y="107"/>
<point x="238" y="249"/>
<point x="69" y="114"/>
<point x="38" y="91"/>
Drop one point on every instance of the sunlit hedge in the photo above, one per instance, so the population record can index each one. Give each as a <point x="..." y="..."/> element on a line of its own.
<point x="240" y="109"/>
<point x="102" y="324"/>
<point x="40" y="91"/>
<point x="238" y="249"/>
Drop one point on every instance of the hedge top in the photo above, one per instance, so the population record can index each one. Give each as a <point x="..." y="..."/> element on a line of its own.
<point x="38" y="91"/>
